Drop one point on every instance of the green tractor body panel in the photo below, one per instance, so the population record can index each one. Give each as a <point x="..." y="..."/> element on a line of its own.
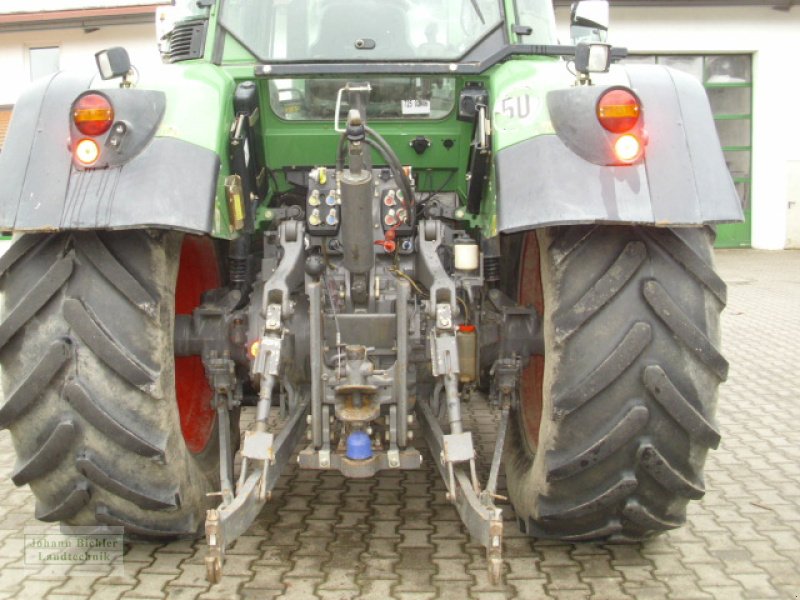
<point x="199" y="111"/>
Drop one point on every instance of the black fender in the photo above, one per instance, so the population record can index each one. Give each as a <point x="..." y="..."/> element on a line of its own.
<point x="145" y="181"/>
<point x="569" y="177"/>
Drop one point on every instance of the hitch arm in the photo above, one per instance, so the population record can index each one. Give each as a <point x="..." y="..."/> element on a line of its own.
<point x="230" y="520"/>
<point x="483" y="519"/>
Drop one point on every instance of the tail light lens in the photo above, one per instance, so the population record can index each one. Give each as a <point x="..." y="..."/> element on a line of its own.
<point x="628" y="148"/>
<point x="93" y="114"/>
<point x="618" y="110"/>
<point x="87" y="152"/>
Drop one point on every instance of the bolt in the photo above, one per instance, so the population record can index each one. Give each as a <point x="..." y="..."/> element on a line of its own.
<point x="369" y="430"/>
<point x="410" y="435"/>
<point x="308" y="419"/>
<point x="410" y="419"/>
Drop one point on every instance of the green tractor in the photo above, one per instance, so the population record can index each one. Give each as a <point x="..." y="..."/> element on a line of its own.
<point x="354" y="215"/>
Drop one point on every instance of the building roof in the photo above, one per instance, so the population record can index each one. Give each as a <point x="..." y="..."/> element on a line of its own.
<point x="27" y="15"/>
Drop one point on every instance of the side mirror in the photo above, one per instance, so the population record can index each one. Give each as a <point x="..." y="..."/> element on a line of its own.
<point x="113" y="62"/>
<point x="589" y="21"/>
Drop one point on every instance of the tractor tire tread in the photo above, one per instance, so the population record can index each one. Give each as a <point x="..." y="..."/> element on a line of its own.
<point x="49" y="454"/>
<point x="631" y="378"/>
<point x="105" y="346"/>
<point x="71" y="504"/>
<point x="117" y="428"/>
<point x="91" y="318"/>
<point x="129" y="286"/>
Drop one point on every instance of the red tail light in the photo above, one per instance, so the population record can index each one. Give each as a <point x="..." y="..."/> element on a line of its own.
<point x="93" y="114"/>
<point x="618" y="110"/>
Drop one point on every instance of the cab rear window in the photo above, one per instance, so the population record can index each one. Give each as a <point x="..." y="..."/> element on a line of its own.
<point x="415" y="97"/>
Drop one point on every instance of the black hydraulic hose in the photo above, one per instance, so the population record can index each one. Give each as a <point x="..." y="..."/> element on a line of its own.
<point x="399" y="174"/>
<point x="388" y="154"/>
<point x="383" y="148"/>
<point x="381" y="141"/>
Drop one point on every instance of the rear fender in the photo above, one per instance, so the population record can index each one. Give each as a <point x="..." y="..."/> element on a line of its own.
<point x="569" y="176"/>
<point x="149" y="180"/>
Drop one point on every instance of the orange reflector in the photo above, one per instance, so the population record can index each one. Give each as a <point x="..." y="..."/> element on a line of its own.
<point x="87" y="152"/>
<point x="627" y="148"/>
<point x="93" y="114"/>
<point x="618" y="110"/>
<point x="254" y="348"/>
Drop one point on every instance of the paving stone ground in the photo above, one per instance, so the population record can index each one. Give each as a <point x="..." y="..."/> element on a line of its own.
<point x="395" y="536"/>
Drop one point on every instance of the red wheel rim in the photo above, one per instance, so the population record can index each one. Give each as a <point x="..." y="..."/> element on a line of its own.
<point x="530" y="294"/>
<point x="198" y="272"/>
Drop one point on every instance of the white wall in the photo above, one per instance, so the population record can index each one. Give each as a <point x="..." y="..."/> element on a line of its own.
<point x="772" y="37"/>
<point x="77" y="51"/>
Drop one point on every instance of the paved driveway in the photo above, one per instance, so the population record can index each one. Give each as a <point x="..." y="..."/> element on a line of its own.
<point x="395" y="536"/>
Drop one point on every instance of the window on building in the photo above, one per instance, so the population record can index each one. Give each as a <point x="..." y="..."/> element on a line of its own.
<point x="727" y="79"/>
<point x="43" y="61"/>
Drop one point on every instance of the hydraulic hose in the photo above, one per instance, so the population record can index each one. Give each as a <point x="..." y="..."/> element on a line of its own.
<point x="390" y="157"/>
<point x="391" y="160"/>
<point x="382" y="147"/>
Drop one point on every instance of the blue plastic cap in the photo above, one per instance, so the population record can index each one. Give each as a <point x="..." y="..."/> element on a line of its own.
<point x="359" y="446"/>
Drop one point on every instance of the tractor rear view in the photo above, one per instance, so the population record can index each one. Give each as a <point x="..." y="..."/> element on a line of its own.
<point x="354" y="216"/>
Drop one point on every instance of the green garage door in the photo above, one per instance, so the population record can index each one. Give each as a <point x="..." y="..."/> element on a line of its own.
<point x="728" y="82"/>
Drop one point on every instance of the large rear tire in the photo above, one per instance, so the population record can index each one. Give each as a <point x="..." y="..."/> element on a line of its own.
<point x="89" y="379"/>
<point x="615" y="421"/>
